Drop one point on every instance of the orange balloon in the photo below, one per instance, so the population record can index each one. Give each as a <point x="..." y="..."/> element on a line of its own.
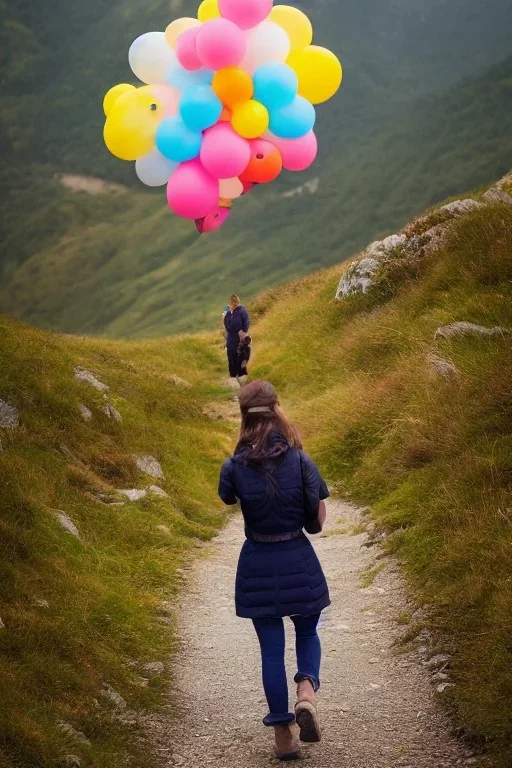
<point x="233" y="86"/>
<point x="226" y="115"/>
<point x="265" y="165"/>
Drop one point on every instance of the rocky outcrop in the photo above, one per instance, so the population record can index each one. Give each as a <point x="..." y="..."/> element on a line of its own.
<point x="133" y="494"/>
<point x="9" y="416"/>
<point x="82" y="374"/>
<point x="72" y="732"/>
<point x="500" y="191"/>
<point x="150" y="466"/>
<point x="85" y="413"/>
<point x="468" y="329"/>
<point x="158" y="491"/>
<point x="110" y="412"/>
<point x="418" y="239"/>
<point x="113" y="696"/>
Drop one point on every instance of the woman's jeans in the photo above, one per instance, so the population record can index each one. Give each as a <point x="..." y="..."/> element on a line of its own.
<point x="272" y="643"/>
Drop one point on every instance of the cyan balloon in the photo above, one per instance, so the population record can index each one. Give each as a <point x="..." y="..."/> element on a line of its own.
<point x="200" y="108"/>
<point x="181" y="79"/>
<point x="275" y="85"/>
<point x="293" y="121"/>
<point x="176" y="141"/>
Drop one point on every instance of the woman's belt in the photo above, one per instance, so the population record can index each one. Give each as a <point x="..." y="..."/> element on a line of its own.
<point x="274" y="538"/>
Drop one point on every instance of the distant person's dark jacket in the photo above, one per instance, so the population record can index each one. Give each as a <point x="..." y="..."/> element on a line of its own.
<point x="278" y="496"/>
<point x="234" y="322"/>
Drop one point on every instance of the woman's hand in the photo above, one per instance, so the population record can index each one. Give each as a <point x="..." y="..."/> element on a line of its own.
<point x="322" y="513"/>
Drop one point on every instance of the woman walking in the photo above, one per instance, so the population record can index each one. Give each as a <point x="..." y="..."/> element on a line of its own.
<point x="281" y="492"/>
<point x="236" y="323"/>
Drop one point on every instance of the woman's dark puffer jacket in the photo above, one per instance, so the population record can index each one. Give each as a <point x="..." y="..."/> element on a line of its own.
<point x="276" y="495"/>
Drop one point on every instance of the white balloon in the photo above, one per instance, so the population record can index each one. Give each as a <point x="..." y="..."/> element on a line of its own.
<point x="230" y="188"/>
<point x="151" y="57"/>
<point x="154" y="170"/>
<point x="266" y="42"/>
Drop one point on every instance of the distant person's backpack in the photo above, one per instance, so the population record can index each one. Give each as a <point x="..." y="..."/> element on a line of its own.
<point x="244" y="352"/>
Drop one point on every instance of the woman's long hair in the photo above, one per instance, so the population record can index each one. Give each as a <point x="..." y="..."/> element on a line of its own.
<point x="257" y="430"/>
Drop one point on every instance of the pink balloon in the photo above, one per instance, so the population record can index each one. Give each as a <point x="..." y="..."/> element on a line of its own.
<point x="186" y="49"/>
<point x="224" y="153"/>
<point x="220" y="44"/>
<point x="168" y="98"/>
<point x="247" y="185"/>
<point x="213" y="220"/>
<point x="297" y="154"/>
<point x="191" y="192"/>
<point x="245" y="13"/>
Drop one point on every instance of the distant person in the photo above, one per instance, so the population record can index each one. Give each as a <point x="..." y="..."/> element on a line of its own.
<point x="281" y="492"/>
<point x="236" y="323"/>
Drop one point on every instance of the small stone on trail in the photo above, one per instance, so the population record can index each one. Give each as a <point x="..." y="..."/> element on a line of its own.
<point x="150" y="466"/>
<point x="158" y="491"/>
<point x="110" y="412"/>
<point x="9" y="416"/>
<point x="82" y="374"/>
<point x="439" y="660"/>
<point x="132" y="494"/>
<point x="109" y="693"/>
<point x="85" y="412"/>
<point x="67" y="523"/>
<point x="443" y="686"/>
<point x="154" y="667"/>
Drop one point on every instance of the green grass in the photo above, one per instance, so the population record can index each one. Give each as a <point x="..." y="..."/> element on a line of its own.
<point x="106" y="592"/>
<point x="432" y="456"/>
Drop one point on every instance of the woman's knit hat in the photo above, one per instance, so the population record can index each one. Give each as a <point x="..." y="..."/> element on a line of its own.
<point x="257" y="397"/>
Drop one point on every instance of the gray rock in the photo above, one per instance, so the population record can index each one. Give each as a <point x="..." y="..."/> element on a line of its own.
<point x="440" y="660"/>
<point x="41" y="603"/>
<point x="70" y="731"/>
<point x="2" y="625"/>
<point x="110" y="412"/>
<point x="9" y="416"/>
<point x="66" y="522"/>
<point x="467" y="329"/>
<point x="158" y="491"/>
<point x="441" y="688"/>
<point x="154" y="668"/>
<point x="132" y="494"/>
<point x="442" y="367"/>
<point x="150" y="466"/>
<point x="460" y="207"/>
<point x="72" y="761"/>
<point x="498" y="195"/>
<point x="109" y="693"/>
<point x="180" y="383"/>
<point x="358" y="278"/>
<point x="82" y="374"/>
<point x="85" y="412"/>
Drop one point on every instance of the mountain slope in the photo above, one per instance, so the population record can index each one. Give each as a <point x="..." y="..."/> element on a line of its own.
<point x="119" y="264"/>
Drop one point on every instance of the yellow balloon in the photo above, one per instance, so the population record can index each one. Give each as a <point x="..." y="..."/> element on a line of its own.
<point x="112" y="96"/>
<point x="131" y="126"/>
<point x="250" y="119"/>
<point x="319" y="72"/>
<point x="209" y="9"/>
<point x="233" y="86"/>
<point x="178" y="26"/>
<point x="295" y="23"/>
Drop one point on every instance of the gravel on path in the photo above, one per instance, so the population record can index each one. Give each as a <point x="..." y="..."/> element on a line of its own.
<point x="376" y="705"/>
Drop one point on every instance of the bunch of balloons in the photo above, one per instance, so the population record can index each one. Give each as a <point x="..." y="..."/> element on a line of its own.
<point x="228" y="102"/>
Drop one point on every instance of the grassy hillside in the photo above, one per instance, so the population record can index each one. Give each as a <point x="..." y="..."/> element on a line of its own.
<point x="149" y="274"/>
<point x="431" y="454"/>
<point x="81" y="612"/>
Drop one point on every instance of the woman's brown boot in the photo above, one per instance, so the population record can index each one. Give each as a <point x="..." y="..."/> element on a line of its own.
<point x="287" y="745"/>
<point x="306" y="715"/>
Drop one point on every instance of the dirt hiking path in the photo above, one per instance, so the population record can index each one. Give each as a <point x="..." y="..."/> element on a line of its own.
<point x="376" y="706"/>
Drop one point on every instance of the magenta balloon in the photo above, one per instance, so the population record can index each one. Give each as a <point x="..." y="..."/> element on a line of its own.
<point x="191" y="192"/>
<point x="214" y="220"/>
<point x="297" y="154"/>
<point x="186" y="50"/>
<point x="220" y="44"/>
<point x="245" y="13"/>
<point x="224" y="154"/>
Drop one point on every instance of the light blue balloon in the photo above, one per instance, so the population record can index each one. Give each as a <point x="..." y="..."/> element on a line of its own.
<point x="181" y="79"/>
<point x="275" y="85"/>
<point x="200" y="108"/>
<point x="176" y="142"/>
<point x="293" y="121"/>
